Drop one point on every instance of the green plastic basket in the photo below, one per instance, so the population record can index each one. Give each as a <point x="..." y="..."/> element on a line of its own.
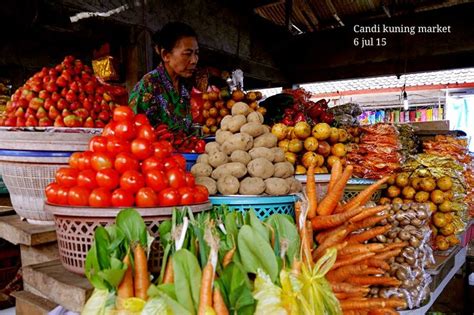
<point x="3" y="188"/>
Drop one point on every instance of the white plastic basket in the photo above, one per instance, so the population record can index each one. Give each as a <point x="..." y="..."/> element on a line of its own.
<point x="26" y="183"/>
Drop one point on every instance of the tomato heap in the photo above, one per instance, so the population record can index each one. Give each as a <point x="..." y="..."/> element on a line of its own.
<point x="124" y="167"/>
<point x="67" y="95"/>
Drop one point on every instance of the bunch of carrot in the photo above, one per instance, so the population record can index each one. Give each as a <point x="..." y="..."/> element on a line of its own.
<point x="136" y="280"/>
<point x="347" y="227"/>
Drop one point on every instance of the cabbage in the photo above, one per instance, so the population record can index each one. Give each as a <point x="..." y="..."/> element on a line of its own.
<point x="268" y="296"/>
<point x="101" y="302"/>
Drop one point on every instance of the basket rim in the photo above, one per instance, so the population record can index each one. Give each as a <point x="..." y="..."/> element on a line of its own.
<point x="71" y="211"/>
<point x="252" y="199"/>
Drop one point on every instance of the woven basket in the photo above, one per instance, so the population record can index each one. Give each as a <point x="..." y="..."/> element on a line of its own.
<point x="26" y="183"/>
<point x="75" y="231"/>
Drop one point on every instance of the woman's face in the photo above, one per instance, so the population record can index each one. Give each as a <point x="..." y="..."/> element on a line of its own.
<point x="183" y="58"/>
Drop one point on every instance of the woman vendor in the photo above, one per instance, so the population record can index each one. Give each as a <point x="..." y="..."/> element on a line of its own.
<point x="162" y="93"/>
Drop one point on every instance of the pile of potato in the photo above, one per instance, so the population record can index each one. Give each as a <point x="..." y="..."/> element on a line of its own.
<point x="245" y="158"/>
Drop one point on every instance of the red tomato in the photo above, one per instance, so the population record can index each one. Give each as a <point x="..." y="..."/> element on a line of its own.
<point x="100" y="197"/>
<point x="190" y="181"/>
<point x="201" y="194"/>
<point x="125" y="161"/>
<point x="122" y="198"/>
<point x="146" y="132"/>
<point x="162" y="149"/>
<point x="67" y="176"/>
<point x="152" y="163"/>
<point x="146" y="197"/>
<point x="156" y="179"/>
<point x="109" y="129"/>
<point x="169" y="197"/>
<point x="108" y="178"/>
<point x="62" y="195"/>
<point x="141" y="119"/>
<point x="202" y="189"/>
<point x="116" y="146"/>
<point x="78" y="196"/>
<point x="176" y="177"/>
<point x="141" y="148"/>
<point x="132" y="181"/>
<point x="74" y="159"/>
<point x="85" y="160"/>
<point x="51" y="192"/>
<point x="123" y="113"/>
<point x="100" y="161"/>
<point x="187" y="195"/>
<point x="180" y="160"/>
<point x="98" y="144"/>
<point x="170" y="163"/>
<point x="125" y="130"/>
<point x="86" y="179"/>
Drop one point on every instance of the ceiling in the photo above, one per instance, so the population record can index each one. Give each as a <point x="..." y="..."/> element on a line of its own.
<point x="306" y="16"/>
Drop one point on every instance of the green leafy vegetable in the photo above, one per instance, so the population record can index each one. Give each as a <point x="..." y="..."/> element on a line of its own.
<point x="132" y="225"/>
<point x="234" y="285"/>
<point x="287" y="232"/>
<point x="187" y="279"/>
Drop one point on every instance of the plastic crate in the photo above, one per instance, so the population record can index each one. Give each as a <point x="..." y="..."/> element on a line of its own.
<point x="443" y="265"/>
<point x="3" y="187"/>
<point x="264" y="206"/>
<point x="190" y="159"/>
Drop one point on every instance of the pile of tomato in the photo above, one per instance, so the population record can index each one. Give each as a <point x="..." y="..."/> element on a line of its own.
<point x="126" y="166"/>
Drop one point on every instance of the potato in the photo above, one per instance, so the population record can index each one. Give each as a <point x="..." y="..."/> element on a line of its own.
<point x="201" y="169"/>
<point x="276" y="186"/>
<point x="278" y="155"/>
<point x="241" y="156"/>
<point x="255" y="117"/>
<point x="284" y="170"/>
<point x="252" y="186"/>
<point x="262" y="152"/>
<point x="239" y="141"/>
<point x="207" y="182"/>
<point x="212" y="147"/>
<point x="253" y="129"/>
<point x="222" y="136"/>
<point x="225" y="122"/>
<point x="240" y="108"/>
<point x="295" y="185"/>
<point x="236" y="169"/>
<point x="237" y="122"/>
<point x="217" y="159"/>
<point x="267" y="129"/>
<point x="268" y="140"/>
<point x="228" y="185"/>
<point x="203" y="158"/>
<point x="260" y="167"/>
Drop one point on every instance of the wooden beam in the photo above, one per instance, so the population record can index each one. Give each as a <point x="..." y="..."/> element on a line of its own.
<point x="288" y="11"/>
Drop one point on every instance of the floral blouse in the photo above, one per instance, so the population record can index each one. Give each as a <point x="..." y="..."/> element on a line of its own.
<point x="155" y="96"/>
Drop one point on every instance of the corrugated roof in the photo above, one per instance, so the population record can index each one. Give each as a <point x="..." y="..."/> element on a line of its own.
<point x="457" y="76"/>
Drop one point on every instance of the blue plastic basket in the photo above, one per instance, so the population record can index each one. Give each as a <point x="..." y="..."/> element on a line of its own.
<point x="27" y="153"/>
<point x="190" y="159"/>
<point x="264" y="206"/>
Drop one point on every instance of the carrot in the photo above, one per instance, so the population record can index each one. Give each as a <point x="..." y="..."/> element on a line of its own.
<point x="311" y="192"/>
<point x="369" y="234"/>
<point x="368" y="212"/>
<point x="205" y="293"/>
<point x="364" y="196"/>
<point x="169" y="272"/>
<point x="219" y="305"/>
<point x="373" y="271"/>
<point x="328" y="242"/>
<point x="383" y="311"/>
<point x="351" y="260"/>
<point x="355" y="312"/>
<point x="329" y="221"/>
<point x="336" y="172"/>
<point x="309" y="234"/>
<point x="297" y="214"/>
<point x="296" y="267"/>
<point x="342" y="273"/>
<point x="329" y="203"/>
<point x="392" y="246"/>
<point x="386" y="255"/>
<point x="373" y="280"/>
<point x="343" y="296"/>
<point x="228" y="256"/>
<point x="141" y="276"/>
<point x="355" y="249"/>
<point x="374" y="303"/>
<point x="306" y="247"/>
<point x="322" y="235"/>
<point x="368" y="222"/>
<point x="125" y="289"/>
<point x="373" y="262"/>
<point x="343" y="287"/>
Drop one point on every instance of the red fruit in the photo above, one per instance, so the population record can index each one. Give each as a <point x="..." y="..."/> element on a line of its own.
<point x="48" y="103"/>
<point x="67" y="176"/>
<point x="78" y="196"/>
<point x="200" y="194"/>
<point x="52" y="193"/>
<point x="187" y="195"/>
<point x="123" y="113"/>
<point x="151" y="163"/>
<point x="146" y="197"/>
<point x="53" y="113"/>
<point x="41" y="113"/>
<point x="36" y="87"/>
<point x="140" y="120"/>
<point x="74" y="106"/>
<point x="87" y="179"/>
<point x="89" y="123"/>
<point x="109" y="129"/>
<point x="141" y="148"/>
<point x="31" y="121"/>
<point x="99" y="124"/>
<point x="169" y="197"/>
<point x="20" y="122"/>
<point x="176" y="177"/>
<point x="180" y="160"/>
<point x="125" y="161"/>
<point x="87" y="104"/>
<point x="45" y="122"/>
<point x="162" y="149"/>
<point x="19" y="112"/>
<point x="44" y="94"/>
<point x="101" y="161"/>
<point x="146" y="132"/>
<point x="73" y="121"/>
<point x="64" y="92"/>
<point x="84" y="162"/>
<point x="132" y="181"/>
<point x="106" y="97"/>
<point x="36" y="103"/>
<point x="122" y="198"/>
<point x="51" y="87"/>
<point x="65" y="113"/>
<point x="156" y="179"/>
<point x="62" y="104"/>
<point x="71" y="96"/>
<point x="125" y="130"/>
<point x="100" y="198"/>
<point x="116" y="146"/>
<point x="89" y="87"/>
<point x="59" y="122"/>
<point x="81" y="98"/>
<point x="61" y="81"/>
<point x="190" y="181"/>
<point x="74" y="86"/>
<point x="104" y="116"/>
<point x="59" y="68"/>
<point x="98" y="144"/>
<point x="107" y="178"/>
<point x="62" y="195"/>
<point x="82" y="112"/>
<point x="74" y="159"/>
<point x="55" y="96"/>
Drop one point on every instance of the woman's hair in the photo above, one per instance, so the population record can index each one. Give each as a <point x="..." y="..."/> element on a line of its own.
<point x="170" y="34"/>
